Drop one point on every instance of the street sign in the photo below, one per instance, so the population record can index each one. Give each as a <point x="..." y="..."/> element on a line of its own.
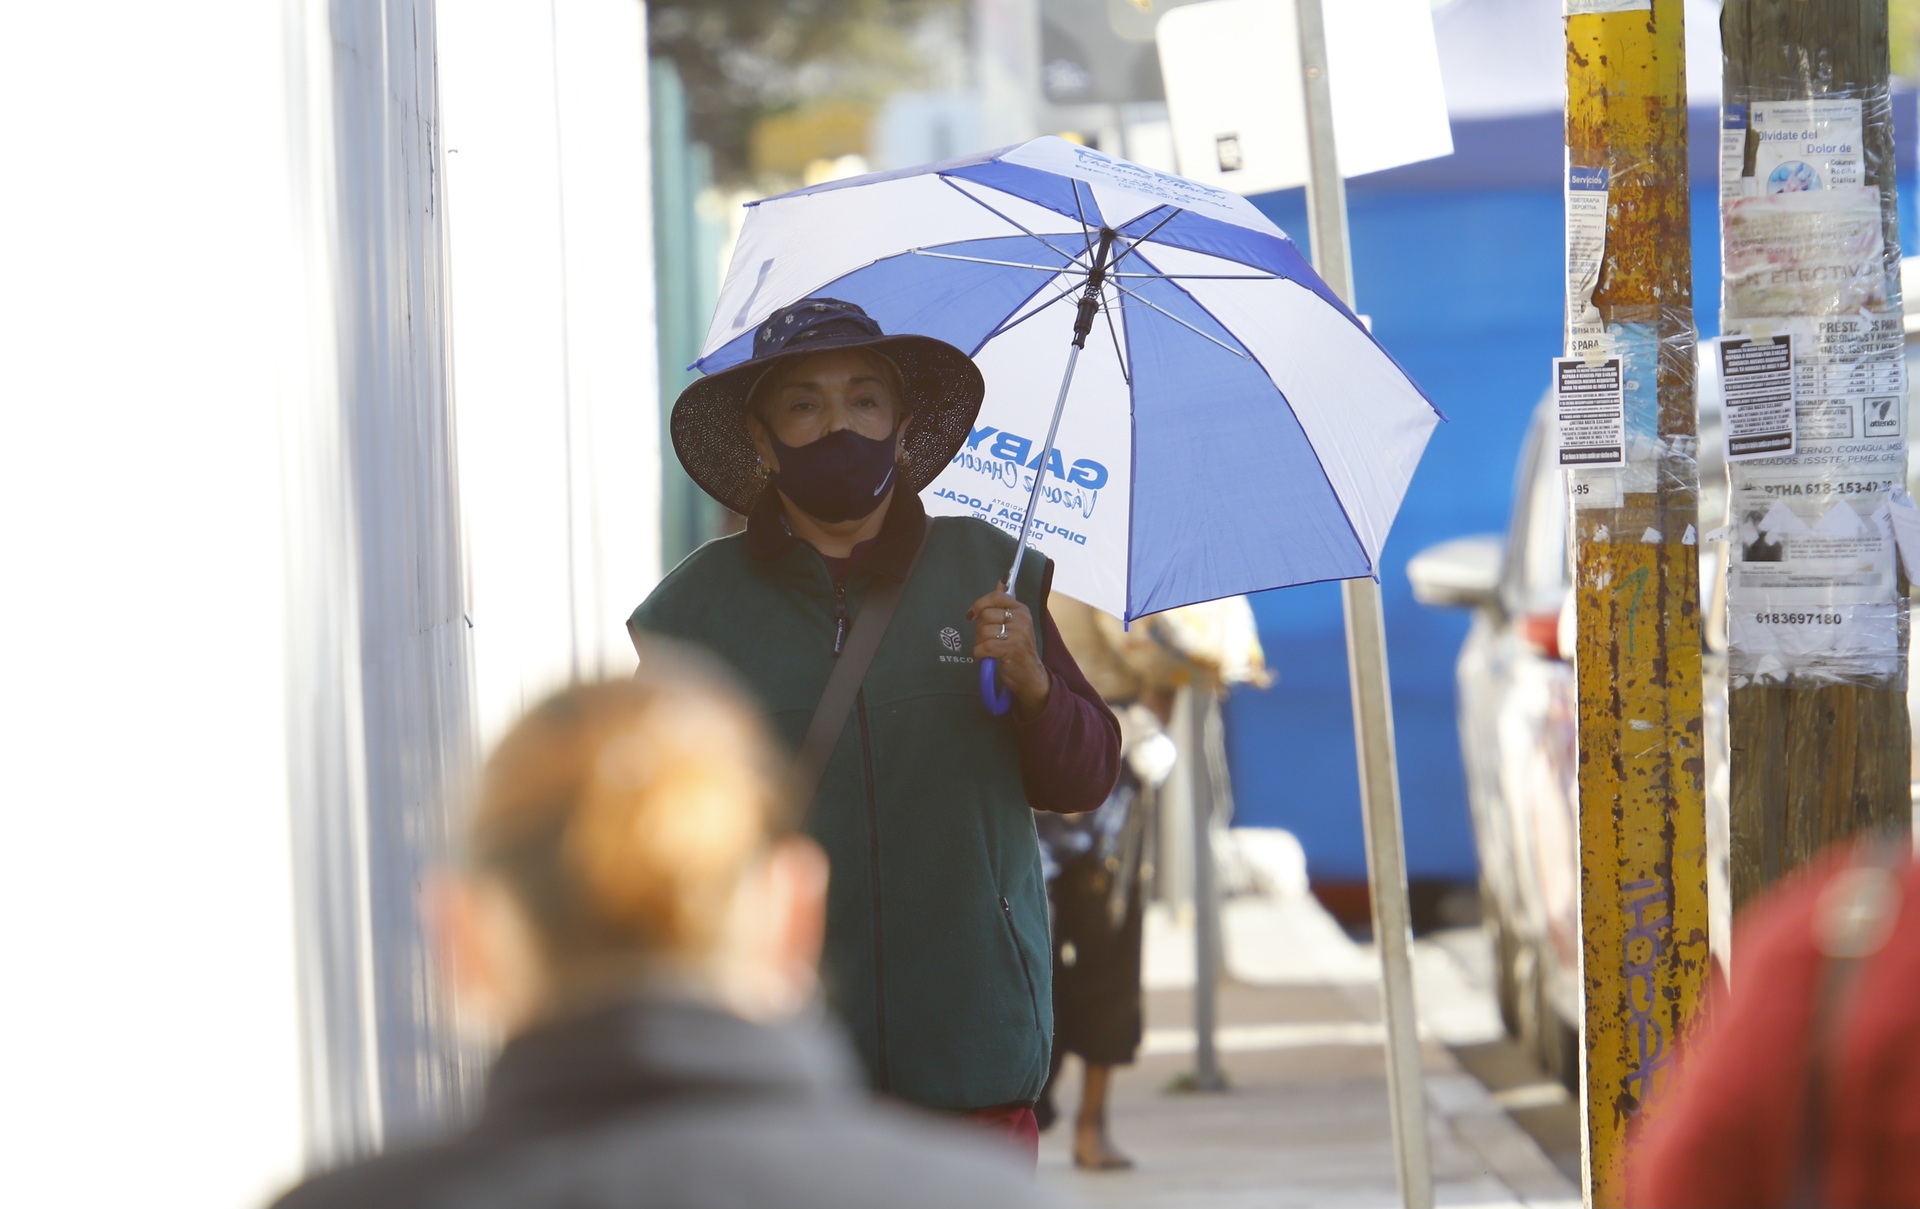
<point x="1232" y="76"/>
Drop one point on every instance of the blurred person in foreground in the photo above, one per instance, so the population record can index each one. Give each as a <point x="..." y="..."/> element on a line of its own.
<point x="936" y="945"/>
<point x="1804" y="1085"/>
<point x="638" y="918"/>
<point x="1094" y="862"/>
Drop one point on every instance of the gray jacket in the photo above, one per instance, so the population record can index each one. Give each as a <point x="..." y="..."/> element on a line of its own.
<point x="657" y="1102"/>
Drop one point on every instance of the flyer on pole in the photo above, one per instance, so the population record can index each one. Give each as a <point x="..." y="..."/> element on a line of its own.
<point x="1757" y="380"/>
<point x="1591" y="407"/>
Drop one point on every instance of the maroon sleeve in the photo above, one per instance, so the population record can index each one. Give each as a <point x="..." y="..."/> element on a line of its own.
<point x="1070" y="750"/>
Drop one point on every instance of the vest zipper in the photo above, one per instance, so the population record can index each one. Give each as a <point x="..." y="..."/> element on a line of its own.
<point x="873" y="877"/>
<point x="1033" y="996"/>
<point x="839" y="617"/>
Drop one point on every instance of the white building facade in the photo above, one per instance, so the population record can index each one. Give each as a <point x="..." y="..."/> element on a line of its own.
<point x="327" y="350"/>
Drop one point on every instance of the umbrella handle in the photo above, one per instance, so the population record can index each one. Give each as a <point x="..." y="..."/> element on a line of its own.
<point x="997" y="699"/>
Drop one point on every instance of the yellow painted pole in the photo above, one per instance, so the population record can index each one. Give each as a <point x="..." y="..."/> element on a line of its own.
<point x="1643" y="897"/>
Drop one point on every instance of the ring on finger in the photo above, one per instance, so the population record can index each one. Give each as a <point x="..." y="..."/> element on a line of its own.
<point x="1003" y="629"/>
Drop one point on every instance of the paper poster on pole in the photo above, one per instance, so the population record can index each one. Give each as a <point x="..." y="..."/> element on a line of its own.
<point x="1849" y="386"/>
<point x="1591" y="405"/>
<point x="1806" y="541"/>
<point x="1586" y="199"/>
<point x="1756" y="380"/>
<point x="1812" y="586"/>
<point x="1733" y="149"/>
<point x="1791" y="254"/>
<point x="1807" y="145"/>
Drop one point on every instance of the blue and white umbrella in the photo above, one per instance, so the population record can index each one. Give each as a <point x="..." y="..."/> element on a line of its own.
<point x="1229" y="427"/>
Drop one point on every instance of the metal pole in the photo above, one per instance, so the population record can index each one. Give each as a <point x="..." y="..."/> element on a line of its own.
<point x="1367" y="671"/>
<point x="1207" y="1075"/>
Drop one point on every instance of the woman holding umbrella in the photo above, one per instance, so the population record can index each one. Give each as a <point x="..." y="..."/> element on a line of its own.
<point x="937" y="951"/>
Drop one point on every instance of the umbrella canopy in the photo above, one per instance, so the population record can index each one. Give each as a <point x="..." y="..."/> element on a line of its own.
<point x="1231" y="426"/>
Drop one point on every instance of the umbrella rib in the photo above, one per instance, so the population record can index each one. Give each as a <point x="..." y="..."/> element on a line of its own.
<point x="1013" y="323"/>
<point x="1126" y="371"/>
<point x="1085" y="230"/>
<point x="1144" y="238"/>
<point x="1174" y="278"/>
<point x="1005" y="264"/>
<point x="1199" y="276"/>
<point x="1009" y="220"/>
<point x="1148" y="303"/>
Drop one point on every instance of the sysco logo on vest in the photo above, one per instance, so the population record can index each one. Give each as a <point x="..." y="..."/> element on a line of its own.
<point x="1021" y="451"/>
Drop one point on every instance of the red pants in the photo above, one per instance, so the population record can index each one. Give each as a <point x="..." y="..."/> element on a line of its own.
<point x="1016" y="1124"/>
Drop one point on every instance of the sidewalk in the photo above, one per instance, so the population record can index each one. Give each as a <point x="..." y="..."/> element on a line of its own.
<point x="1305" y="1120"/>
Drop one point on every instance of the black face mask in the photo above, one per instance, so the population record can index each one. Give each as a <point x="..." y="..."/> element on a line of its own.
<point x="843" y="476"/>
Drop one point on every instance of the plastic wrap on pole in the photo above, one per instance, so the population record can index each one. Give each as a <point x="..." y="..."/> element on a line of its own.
<point x="1818" y="732"/>
<point x="1810" y="241"/>
<point x="1630" y="301"/>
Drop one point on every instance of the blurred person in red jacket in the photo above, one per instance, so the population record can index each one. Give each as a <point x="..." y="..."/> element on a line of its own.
<point x="1804" y="1086"/>
<point x="641" y="920"/>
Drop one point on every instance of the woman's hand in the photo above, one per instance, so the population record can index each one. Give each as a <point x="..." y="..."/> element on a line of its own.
<point x="1003" y="631"/>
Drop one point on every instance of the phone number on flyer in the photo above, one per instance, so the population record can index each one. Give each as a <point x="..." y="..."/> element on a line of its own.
<point x="1849" y="487"/>
<point x="1798" y="618"/>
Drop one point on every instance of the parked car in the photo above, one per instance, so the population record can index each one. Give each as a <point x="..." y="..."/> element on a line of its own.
<point x="1518" y="709"/>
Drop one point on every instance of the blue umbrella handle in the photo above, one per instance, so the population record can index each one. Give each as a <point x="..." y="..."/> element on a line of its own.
<point x="998" y="700"/>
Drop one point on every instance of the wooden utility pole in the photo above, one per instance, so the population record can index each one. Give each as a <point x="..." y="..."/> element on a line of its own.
<point x="1643" y="896"/>
<point x="1817" y="710"/>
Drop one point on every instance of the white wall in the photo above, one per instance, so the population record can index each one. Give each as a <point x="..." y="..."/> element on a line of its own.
<point x="554" y="353"/>
<point x="150" y="1014"/>
<point x="274" y="432"/>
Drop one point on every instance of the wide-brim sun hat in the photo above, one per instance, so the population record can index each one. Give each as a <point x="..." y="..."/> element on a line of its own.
<point x="940" y="385"/>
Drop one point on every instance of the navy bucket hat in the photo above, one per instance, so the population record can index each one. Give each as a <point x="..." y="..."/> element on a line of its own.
<point x="941" y="387"/>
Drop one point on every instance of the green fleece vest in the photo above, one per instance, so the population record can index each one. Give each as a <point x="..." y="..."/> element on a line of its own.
<point x="937" y="954"/>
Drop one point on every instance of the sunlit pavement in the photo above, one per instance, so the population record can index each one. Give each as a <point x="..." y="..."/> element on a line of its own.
<point x="1305" y="1121"/>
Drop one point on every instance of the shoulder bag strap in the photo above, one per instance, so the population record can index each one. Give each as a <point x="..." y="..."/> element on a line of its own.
<point x="843" y="685"/>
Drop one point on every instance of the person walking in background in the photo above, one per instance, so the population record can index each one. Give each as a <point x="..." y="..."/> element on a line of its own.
<point x="1094" y="861"/>
<point x="640" y="920"/>
<point x="1804" y="1085"/>
<point x="936" y="945"/>
<point x="1093" y="881"/>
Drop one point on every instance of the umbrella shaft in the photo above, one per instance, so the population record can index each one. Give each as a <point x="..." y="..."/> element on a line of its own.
<point x="1083" y="323"/>
<point x="1040" y="467"/>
